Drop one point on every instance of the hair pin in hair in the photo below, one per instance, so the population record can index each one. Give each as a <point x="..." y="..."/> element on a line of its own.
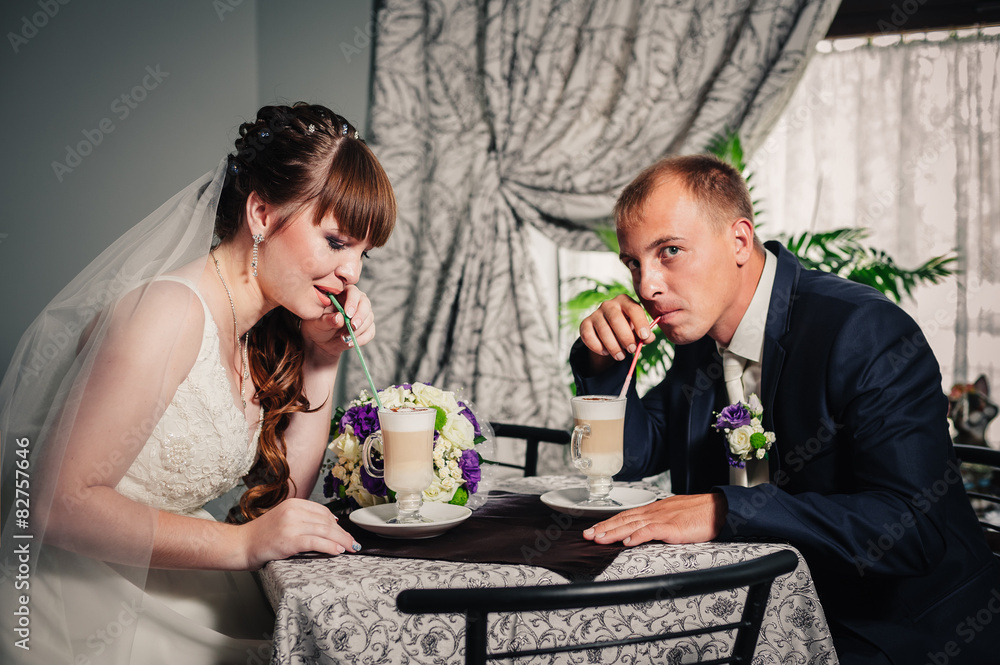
<point x="265" y="134"/>
<point x="311" y="128"/>
<point x="343" y="129"/>
<point x="233" y="168"/>
<point x="356" y="134"/>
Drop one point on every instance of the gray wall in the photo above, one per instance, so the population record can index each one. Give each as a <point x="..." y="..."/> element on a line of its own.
<point x="65" y="73"/>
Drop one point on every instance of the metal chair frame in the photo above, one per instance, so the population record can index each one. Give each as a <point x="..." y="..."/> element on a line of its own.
<point x="532" y="436"/>
<point x="986" y="457"/>
<point x="476" y="604"/>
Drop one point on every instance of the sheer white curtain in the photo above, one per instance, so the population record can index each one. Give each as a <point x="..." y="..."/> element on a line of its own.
<point x="903" y="139"/>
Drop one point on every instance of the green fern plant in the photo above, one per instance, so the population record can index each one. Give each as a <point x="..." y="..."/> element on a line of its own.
<point x="840" y="251"/>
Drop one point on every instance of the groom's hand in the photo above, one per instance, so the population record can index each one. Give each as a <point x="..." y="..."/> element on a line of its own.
<point x="685" y="518"/>
<point x="616" y="327"/>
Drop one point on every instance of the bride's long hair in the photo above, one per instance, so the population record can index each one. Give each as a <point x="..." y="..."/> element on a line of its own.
<point x="293" y="156"/>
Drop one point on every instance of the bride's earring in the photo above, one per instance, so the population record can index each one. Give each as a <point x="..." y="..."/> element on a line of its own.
<point x="256" y="242"/>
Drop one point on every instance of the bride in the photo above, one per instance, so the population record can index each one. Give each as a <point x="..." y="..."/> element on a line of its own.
<point x="199" y="349"/>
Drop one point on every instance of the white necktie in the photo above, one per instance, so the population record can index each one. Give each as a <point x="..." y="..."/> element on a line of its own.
<point x="756" y="471"/>
<point x="732" y="373"/>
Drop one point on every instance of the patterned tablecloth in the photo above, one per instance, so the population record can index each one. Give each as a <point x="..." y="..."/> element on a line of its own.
<point x="343" y="609"/>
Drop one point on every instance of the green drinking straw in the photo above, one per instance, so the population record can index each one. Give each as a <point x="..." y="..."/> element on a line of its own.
<point x="357" y="348"/>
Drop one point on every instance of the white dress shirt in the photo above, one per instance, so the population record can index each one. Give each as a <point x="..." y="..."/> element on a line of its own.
<point x="748" y="344"/>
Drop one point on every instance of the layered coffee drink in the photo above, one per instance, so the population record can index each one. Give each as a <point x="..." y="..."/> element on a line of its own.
<point x="407" y="438"/>
<point x="596" y="444"/>
<point x="407" y="448"/>
<point x="602" y="440"/>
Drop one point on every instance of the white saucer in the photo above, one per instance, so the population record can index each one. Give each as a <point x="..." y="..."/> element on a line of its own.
<point x="445" y="516"/>
<point x="565" y="501"/>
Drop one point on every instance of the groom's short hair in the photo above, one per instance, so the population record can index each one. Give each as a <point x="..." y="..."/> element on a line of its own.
<point x="715" y="185"/>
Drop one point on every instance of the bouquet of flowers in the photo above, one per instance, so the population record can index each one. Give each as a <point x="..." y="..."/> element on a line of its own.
<point x="747" y="439"/>
<point x="461" y="442"/>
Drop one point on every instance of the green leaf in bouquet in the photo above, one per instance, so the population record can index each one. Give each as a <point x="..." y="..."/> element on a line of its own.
<point x="461" y="497"/>
<point x="479" y="439"/>
<point x="335" y="422"/>
<point x="441" y="419"/>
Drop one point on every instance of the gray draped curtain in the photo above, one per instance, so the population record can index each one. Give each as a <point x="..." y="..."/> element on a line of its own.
<point x="491" y="116"/>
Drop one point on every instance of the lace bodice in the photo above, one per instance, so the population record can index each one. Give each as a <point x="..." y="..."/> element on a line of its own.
<point x="199" y="449"/>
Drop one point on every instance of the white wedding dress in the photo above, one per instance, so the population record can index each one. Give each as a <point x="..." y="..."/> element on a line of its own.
<point x="200" y="449"/>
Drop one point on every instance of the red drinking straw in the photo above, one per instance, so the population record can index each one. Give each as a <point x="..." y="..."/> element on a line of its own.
<point x="635" y="359"/>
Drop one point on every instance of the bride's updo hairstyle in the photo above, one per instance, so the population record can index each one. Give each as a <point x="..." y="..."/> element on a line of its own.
<point x="294" y="156"/>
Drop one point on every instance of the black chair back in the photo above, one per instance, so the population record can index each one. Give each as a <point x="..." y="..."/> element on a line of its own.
<point x="983" y="488"/>
<point x="532" y="436"/>
<point x="477" y="604"/>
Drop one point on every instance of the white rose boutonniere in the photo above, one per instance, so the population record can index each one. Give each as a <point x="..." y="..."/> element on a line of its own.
<point x="746" y="436"/>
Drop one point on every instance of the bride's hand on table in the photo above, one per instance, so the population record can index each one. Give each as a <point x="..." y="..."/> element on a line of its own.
<point x="327" y="337"/>
<point x="292" y="527"/>
<point x="684" y="518"/>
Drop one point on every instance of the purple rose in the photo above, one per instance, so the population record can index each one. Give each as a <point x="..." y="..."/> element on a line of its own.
<point x="469" y="464"/>
<point x="733" y="416"/>
<point x="467" y="412"/>
<point x="375" y="486"/>
<point x="362" y="419"/>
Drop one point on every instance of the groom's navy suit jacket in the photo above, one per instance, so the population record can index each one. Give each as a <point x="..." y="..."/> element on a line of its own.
<point x="864" y="480"/>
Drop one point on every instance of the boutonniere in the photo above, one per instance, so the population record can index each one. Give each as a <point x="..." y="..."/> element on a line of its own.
<point x="747" y="439"/>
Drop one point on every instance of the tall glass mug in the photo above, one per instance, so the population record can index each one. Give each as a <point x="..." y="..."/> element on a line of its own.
<point x="407" y="438"/>
<point x="596" y="445"/>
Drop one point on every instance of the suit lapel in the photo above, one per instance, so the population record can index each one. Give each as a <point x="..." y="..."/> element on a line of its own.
<point x="705" y="448"/>
<point x="779" y="313"/>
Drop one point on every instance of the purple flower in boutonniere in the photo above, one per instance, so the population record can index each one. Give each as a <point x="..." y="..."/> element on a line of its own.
<point x="747" y="439"/>
<point x="733" y="417"/>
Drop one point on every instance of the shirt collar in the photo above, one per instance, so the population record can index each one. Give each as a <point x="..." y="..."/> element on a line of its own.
<point x="748" y="340"/>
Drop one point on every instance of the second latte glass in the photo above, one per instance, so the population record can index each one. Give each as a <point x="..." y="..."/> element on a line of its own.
<point x="596" y="445"/>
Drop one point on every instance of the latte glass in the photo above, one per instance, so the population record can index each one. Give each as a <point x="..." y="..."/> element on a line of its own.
<point x="407" y="440"/>
<point x="596" y="445"/>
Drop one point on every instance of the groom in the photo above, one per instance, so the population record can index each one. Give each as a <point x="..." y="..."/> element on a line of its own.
<point x="861" y="477"/>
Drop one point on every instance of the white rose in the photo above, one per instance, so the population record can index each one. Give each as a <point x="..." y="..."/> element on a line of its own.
<point x="739" y="441"/>
<point x="439" y="492"/>
<point x="430" y="396"/>
<point x="769" y="437"/>
<point x="459" y="430"/>
<point x="356" y="491"/>
<point x="351" y="449"/>
<point x="754" y="404"/>
<point x="760" y="453"/>
<point x="392" y="398"/>
<point x="346" y="445"/>
<point x="756" y="425"/>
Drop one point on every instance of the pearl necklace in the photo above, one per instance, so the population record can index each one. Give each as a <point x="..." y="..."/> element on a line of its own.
<point x="244" y="359"/>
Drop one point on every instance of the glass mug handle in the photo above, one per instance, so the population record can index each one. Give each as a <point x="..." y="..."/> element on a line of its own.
<point x="366" y="455"/>
<point x="576" y="447"/>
